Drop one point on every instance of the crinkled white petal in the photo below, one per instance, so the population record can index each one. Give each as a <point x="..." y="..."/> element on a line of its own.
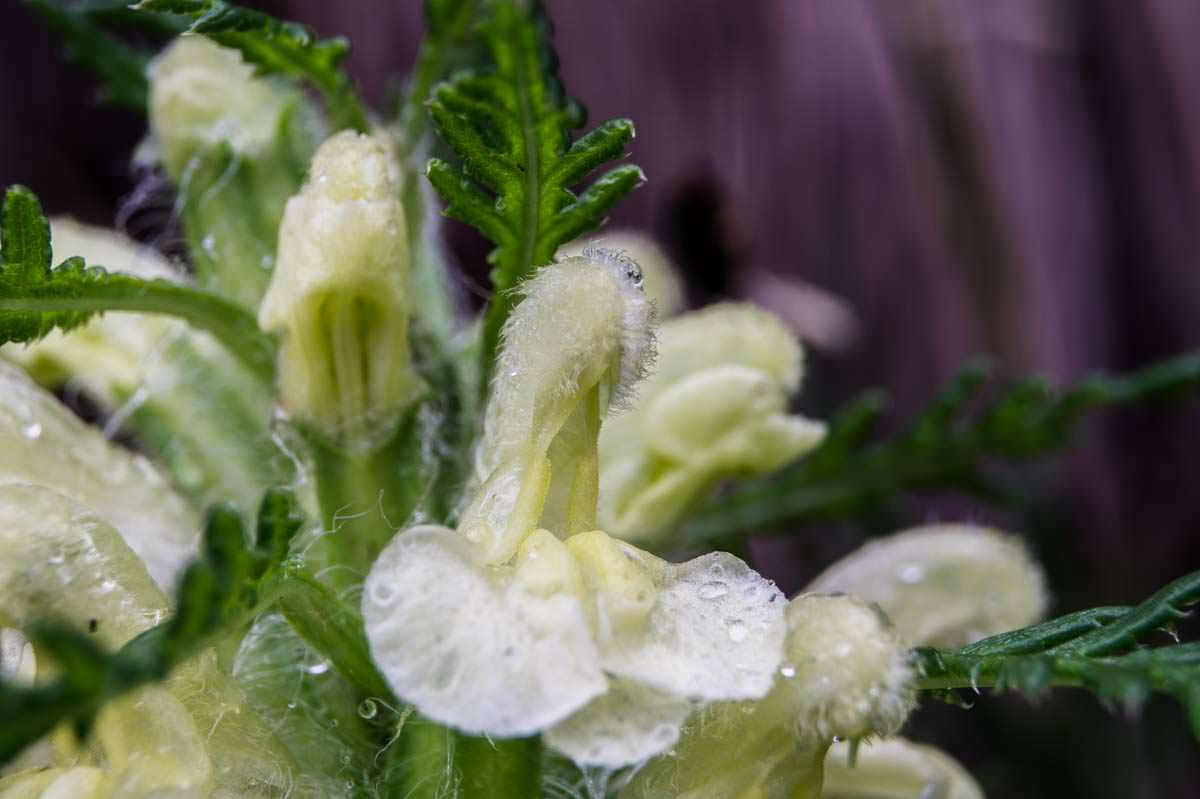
<point x="896" y="769"/>
<point x="944" y="585"/>
<point x="45" y="444"/>
<point x="629" y="724"/>
<point x="60" y="560"/>
<point x="716" y="631"/>
<point x="473" y="646"/>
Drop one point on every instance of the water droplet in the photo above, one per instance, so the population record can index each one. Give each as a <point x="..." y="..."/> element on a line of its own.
<point x="291" y="705"/>
<point x="737" y="631"/>
<point x="209" y="244"/>
<point x="911" y="573"/>
<point x="32" y="431"/>
<point x="714" y="589"/>
<point x="383" y="594"/>
<point x="787" y="670"/>
<point x="664" y="734"/>
<point x="318" y="668"/>
<point x="367" y="709"/>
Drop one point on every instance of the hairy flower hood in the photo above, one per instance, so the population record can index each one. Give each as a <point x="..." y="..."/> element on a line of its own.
<point x="528" y="619"/>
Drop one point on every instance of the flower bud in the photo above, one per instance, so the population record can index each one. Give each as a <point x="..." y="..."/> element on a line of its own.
<point x="716" y="406"/>
<point x="204" y="96"/>
<point x="846" y="673"/>
<point x="235" y="145"/>
<point x="339" y="296"/>
<point x="944" y="585"/>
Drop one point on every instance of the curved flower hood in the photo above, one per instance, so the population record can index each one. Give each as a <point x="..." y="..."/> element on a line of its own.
<point x="528" y="619"/>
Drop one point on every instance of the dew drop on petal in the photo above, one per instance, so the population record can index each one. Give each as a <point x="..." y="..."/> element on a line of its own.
<point x="911" y="573"/>
<point x="713" y="590"/>
<point x="737" y="631"/>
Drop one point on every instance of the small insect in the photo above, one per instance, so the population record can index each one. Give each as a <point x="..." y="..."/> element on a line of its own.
<point x="93" y="625"/>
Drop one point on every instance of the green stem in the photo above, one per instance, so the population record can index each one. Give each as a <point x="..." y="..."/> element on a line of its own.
<point x="428" y="761"/>
<point x="364" y="497"/>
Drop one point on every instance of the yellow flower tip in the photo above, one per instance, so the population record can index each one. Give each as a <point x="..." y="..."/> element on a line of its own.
<point x="339" y="295"/>
<point x="715" y="407"/>
<point x="203" y="95"/>
<point x="846" y="673"/>
<point x="944" y="585"/>
<point x="618" y="579"/>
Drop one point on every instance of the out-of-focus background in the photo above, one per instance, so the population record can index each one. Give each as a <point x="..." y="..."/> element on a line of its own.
<point x="950" y="177"/>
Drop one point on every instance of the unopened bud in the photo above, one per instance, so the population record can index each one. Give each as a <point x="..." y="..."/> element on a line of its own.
<point x="339" y="296"/>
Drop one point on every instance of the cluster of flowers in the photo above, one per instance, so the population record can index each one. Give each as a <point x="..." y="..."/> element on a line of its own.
<point x="537" y="613"/>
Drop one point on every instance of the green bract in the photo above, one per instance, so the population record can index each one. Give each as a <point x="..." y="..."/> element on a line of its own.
<point x="333" y="538"/>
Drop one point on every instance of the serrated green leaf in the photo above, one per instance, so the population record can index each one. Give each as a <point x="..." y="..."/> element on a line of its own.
<point x="950" y="445"/>
<point x="35" y="298"/>
<point x="232" y="579"/>
<point x="510" y="126"/>
<point x="276" y="47"/>
<point x="1094" y="649"/>
<point x="120" y="68"/>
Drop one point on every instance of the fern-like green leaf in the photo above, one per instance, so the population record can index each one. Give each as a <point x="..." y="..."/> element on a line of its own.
<point x="1096" y="650"/>
<point x="510" y="126"/>
<point x="947" y="446"/>
<point x="120" y="67"/>
<point x="35" y="298"/>
<point x="276" y="47"/>
<point x="222" y="589"/>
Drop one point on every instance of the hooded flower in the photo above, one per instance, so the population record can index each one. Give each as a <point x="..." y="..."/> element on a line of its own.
<point x="716" y="407"/>
<point x="526" y="618"/>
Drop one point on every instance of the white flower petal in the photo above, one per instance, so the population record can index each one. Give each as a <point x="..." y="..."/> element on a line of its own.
<point x="896" y="769"/>
<point x="60" y="560"/>
<point x="483" y="649"/>
<point x="629" y="724"/>
<point x="45" y="444"/>
<point x="715" y="632"/>
<point x="944" y="585"/>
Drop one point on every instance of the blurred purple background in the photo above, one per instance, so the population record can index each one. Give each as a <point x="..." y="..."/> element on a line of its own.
<point x="1017" y="178"/>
